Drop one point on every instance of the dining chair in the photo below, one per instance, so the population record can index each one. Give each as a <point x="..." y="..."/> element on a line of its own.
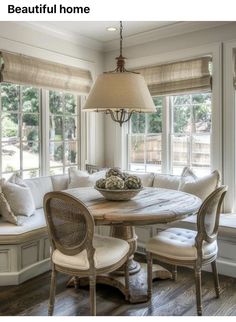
<point x="75" y="249"/>
<point x="189" y="248"/>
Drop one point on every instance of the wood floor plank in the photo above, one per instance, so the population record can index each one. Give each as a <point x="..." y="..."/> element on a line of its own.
<point x="169" y="298"/>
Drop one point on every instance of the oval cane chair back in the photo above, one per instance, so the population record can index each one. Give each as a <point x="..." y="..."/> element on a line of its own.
<point x="209" y="215"/>
<point x="70" y="224"/>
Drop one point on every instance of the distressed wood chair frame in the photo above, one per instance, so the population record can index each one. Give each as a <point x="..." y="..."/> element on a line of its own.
<point x="211" y="204"/>
<point x="86" y="244"/>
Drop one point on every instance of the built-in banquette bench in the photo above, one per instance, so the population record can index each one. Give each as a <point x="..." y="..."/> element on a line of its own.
<point x="25" y="250"/>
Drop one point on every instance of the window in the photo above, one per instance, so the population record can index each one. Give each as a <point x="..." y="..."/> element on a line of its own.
<point x="20" y="130"/>
<point x="186" y="127"/>
<point x="145" y="140"/>
<point x="21" y="146"/>
<point x="191" y="132"/>
<point x="63" y="131"/>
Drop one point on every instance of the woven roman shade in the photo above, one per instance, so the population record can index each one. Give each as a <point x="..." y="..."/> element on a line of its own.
<point x="21" y="69"/>
<point x="179" y="77"/>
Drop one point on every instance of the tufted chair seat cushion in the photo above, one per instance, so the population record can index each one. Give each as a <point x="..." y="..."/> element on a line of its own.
<point x="178" y="243"/>
<point x="108" y="251"/>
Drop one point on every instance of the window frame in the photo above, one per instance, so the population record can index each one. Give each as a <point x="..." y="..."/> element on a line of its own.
<point x="77" y="116"/>
<point x="167" y="135"/>
<point x="20" y="113"/>
<point x="190" y="136"/>
<point x="43" y="138"/>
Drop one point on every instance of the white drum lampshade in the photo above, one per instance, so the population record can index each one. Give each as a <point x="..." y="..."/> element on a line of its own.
<point x="116" y="91"/>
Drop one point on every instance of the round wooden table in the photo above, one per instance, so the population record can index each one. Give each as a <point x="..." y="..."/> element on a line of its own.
<point x="151" y="206"/>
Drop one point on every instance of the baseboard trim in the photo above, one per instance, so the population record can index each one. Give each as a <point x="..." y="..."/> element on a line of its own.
<point x="16" y="278"/>
<point x="225" y="267"/>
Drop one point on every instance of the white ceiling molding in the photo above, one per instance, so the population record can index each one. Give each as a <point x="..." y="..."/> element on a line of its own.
<point x="165" y="31"/>
<point x="65" y="35"/>
<point x="172" y="30"/>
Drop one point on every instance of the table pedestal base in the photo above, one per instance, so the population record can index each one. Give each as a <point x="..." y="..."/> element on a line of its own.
<point x="137" y="282"/>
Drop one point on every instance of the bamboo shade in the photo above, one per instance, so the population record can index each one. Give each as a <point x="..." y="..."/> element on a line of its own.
<point x="21" y="69"/>
<point x="179" y="77"/>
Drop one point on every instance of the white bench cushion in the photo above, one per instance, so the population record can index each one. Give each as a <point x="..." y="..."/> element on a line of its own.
<point x="108" y="251"/>
<point x="39" y="187"/>
<point x="227" y="225"/>
<point x="179" y="244"/>
<point x="34" y="222"/>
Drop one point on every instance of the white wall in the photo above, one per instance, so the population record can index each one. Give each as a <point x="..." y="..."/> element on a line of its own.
<point x="17" y="37"/>
<point x="212" y="40"/>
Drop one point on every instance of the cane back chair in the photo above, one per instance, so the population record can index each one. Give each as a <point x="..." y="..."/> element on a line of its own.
<point x="75" y="250"/>
<point x="185" y="247"/>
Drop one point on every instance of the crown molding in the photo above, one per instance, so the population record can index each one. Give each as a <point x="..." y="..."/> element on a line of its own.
<point x="175" y="29"/>
<point x="64" y="35"/>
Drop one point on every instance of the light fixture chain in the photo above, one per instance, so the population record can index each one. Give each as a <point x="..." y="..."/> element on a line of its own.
<point x="121" y="38"/>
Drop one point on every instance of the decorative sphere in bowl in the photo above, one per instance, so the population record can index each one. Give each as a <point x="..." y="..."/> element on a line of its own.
<point x="118" y="185"/>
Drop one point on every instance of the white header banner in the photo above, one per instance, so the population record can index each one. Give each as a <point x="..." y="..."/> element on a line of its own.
<point x="99" y="10"/>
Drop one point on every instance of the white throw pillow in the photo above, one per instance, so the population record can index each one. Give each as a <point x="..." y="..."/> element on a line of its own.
<point x="16" y="200"/>
<point x="146" y="177"/>
<point x="60" y="182"/>
<point x="39" y="187"/>
<point x="19" y="198"/>
<point x="79" y="179"/>
<point x="5" y="209"/>
<point x="166" y="181"/>
<point x="200" y="187"/>
<point x="188" y="174"/>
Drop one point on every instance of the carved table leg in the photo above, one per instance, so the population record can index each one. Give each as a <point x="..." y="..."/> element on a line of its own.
<point x="137" y="271"/>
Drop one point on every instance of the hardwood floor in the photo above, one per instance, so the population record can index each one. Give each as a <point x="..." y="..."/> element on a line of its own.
<point x="169" y="298"/>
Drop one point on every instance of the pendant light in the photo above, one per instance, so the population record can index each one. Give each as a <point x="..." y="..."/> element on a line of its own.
<point x="120" y="93"/>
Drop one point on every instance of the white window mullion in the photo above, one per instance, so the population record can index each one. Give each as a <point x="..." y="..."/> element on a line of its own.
<point x="0" y="131"/>
<point x="44" y="110"/>
<point x="190" y="137"/>
<point x="165" y="137"/>
<point x="170" y="131"/>
<point x="145" y="144"/>
<point x="63" y="134"/>
<point x="20" y="131"/>
<point x="81" y="130"/>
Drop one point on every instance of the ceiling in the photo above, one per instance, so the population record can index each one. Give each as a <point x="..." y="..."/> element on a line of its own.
<point x="96" y="30"/>
<point x="93" y="34"/>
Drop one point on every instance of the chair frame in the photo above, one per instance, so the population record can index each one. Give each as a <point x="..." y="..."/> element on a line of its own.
<point x="86" y="244"/>
<point x="197" y="264"/>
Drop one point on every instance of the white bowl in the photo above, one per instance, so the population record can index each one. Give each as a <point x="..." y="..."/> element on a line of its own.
<point x="119" y="195"/>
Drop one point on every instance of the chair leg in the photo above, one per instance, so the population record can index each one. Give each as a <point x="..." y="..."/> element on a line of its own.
<point x="52" y="291"/>
<point x="127" y="294"/>
<point x="92" y="291"/>
<point x="149" y="275"/>
<point x="216" y="278"/>
<point x="198" y="290"/>
<point x="174" y="273"/>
